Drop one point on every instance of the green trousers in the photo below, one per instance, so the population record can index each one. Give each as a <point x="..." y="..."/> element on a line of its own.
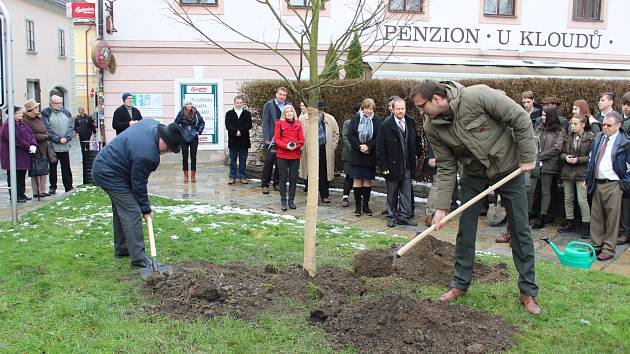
<point x="514" y="197"/>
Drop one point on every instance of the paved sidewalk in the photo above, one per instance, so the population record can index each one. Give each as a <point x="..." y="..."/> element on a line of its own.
<point x="212" y="187"/>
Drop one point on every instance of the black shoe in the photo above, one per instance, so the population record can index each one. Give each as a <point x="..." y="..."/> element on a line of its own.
<point x="276" y="188"/>
<point x="539" y="223"/>
<point x="585" y="231"/>
<point x="292" y="205"/>
<point x="52" y="191"/>
<point x="305" y="189"/>
<point x="569" y="227"/>
<point x="141" y="263"/>
<point x="384" y="212"/>
<point x="21" y="200"/>
<point x="325" y="200"/>
<point x="45" y="195"/>
<point x="391" y="222"/>
<point x="121" y="255"/>
<point x="24" y="196"/>
<point x="409" y="222"/>
<point x="366" y="209"/>
<point x="283" y="205"/>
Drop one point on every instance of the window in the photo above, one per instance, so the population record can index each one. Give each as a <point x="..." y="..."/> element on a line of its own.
<point x="33" y="90"/>
<point x="586" y="10"/>
<point x="405" y="5"/>
<point x="61" y="40"/>
<point x="498" y="7"/>
<point x="302" y="3"/>
<point x="198" y="2"/>
<point x="30" y="36"/>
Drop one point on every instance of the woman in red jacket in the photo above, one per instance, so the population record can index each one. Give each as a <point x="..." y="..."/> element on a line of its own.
<point x="289" y="139"/>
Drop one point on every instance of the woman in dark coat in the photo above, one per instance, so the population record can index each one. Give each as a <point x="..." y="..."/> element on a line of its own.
<point x="33" y="119"/>
<point x="24" y="146"/>
<point x="550" y="136"/>
<point x="362" y="134"/>
<point x="193" y="124"/>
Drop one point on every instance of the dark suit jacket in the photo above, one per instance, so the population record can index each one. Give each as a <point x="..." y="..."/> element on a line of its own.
<point x="121" y="118"/>
<point x="389" y="148"/>
<point x="242" y="124"/>
<point x="357" y="157"/>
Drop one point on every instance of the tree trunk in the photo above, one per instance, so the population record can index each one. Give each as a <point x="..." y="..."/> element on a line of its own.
<point x="310" y="226"/>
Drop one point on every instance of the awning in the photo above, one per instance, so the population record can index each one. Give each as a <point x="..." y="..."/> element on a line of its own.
<point x="430" y="68"/>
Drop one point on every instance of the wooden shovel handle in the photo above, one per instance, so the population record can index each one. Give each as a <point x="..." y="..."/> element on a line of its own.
<point x="457" y="211"/>
<point x="151" y="237"/>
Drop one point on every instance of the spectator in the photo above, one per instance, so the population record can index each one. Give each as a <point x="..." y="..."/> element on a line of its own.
<point x="122" y="169"/>
<point x="25" y="145"/>
<point x="625" y="106"/>
<point x="528" y="101"/>
<point x="238" y="122"/>
<point x="580" y="107"/>
<point x="459" y="127"/>
<point x="554" y="102"/>
<point x="192" y="124"/>
<point x="606" y="175"/>
<point x="84" y="126"/>
<point x="363" y="133"/>
<point x="59" y="124"/>
<point x="577" y="146"/>
<point x="272" y="110"/>
<point x="624" y="226"/>
<point x="396" y="157"/>
<point x="328" y="138"/>
<point x="550" y="136"/>
<point x="126" y="115"/>
<point x="289" y="139"/>
<point x="605" y="105"/>
<point x="33" y="119"/>
<point x="346" y="158"/>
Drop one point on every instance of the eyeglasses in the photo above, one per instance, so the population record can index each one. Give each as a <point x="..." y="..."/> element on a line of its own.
<point x="421" y="106"/>
<point x="608" y="125"/>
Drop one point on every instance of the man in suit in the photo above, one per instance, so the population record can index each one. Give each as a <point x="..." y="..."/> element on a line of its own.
<point x="126" y="115"/>
<point x="396" y="152"/>
<point x="607" y="178"/>
<point x="624" y="224"/>
<point x="238" y="122"/>
<point x="271" y="113"/>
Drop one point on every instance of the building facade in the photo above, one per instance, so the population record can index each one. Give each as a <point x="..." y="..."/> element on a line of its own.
<point x="42" y="51"/>
<point x="162" y="60"/>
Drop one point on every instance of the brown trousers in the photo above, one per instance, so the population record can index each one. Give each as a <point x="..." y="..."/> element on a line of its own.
<point x="605" y="216"/>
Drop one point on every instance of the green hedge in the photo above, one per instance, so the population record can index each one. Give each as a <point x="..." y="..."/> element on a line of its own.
<point x="341" y="100"/>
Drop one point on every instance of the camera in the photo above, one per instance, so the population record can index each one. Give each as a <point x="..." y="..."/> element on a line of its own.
<point x="291" y="145"/>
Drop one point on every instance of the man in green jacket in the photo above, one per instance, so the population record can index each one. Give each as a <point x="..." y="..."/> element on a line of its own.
<point x="491" y="136"/>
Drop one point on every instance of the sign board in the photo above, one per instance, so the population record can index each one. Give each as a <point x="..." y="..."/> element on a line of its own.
<point x="150" y="105"/>
<point x="83" y="10"/>
<point x="2" y="62"/>
<point x="205" y="97"/>
<point x="80" y="86"/>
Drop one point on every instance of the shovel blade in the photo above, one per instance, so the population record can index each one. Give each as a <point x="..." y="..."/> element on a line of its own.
<point x="496" y="215"/>
<point x="145" y="273"/>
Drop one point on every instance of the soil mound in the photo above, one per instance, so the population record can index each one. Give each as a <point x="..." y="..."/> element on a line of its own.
<point x="204" y="290"/>
<point x="430" y="262"/>
<point x="400" y="324"/>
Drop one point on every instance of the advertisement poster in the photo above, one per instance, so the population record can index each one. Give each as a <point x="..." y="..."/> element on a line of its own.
<point x="150" y="105"/>
<point x="205" y="98"/>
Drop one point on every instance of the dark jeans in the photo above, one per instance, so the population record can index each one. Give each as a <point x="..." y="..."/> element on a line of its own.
<point x="85" y="147"/>
<point x="66" y="173"/>
<point x="193" y="155"/>
<point x="348" y="181"/>
<point x="514" y="196"/>
<point x="270" y="162"/>
<point x="20" y="176"/>
<point x="323" y="173"/>
<point x="288" y="170"/>
<point x="127" y="218"/>
<point x="241" y="155"/>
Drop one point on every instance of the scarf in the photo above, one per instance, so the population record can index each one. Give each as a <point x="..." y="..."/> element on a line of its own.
<point x="322" y="130"/>
<point x="366" y="128"/>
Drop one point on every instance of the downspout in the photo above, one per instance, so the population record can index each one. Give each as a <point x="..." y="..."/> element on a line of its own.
<point x="87" y="81"/>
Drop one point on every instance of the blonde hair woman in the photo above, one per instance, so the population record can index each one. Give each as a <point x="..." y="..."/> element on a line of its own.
<point x="289" y="139"/>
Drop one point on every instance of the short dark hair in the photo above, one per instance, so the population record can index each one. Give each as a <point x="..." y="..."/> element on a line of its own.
<point x="16" y="109"/>
<point x="392" y="98"/>
<point x="615" y="115"/>
<point x="356" y="107"/>
<point x="398" y="99"/>
<point x="237" y="97"/>
<point x="609" y="95"/>
<point x="427" y="88"/>
<point x="625" y="99"/>
<point x="282" y="88"/>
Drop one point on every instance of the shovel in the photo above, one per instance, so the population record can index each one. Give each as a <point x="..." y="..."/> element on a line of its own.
<point x="496" y="213"/>
<point x="156" y="269"/>
<point x="456" y="212"/>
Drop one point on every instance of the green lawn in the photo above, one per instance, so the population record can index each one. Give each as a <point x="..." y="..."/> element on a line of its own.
<point x="62" y="291"/>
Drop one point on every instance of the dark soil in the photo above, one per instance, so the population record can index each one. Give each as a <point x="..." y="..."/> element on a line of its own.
<point x="430" y="262"/>
<point x="400" y="324"/>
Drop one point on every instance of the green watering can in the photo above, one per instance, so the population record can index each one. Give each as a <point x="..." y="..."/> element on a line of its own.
<point x="576" y="254"/>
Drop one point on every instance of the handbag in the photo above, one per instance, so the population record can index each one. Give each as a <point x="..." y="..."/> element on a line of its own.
<point x="52" y="156"/>
<point x="39" y="166"/>
<point x="93" y="143"/>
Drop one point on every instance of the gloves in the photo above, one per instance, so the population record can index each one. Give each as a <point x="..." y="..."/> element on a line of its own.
<point x="32" y="149"/>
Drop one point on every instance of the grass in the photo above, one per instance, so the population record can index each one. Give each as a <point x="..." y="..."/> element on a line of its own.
<point x="62" y="291"/>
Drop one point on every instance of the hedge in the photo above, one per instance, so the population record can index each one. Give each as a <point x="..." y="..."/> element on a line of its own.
<point x="341" y="100"/>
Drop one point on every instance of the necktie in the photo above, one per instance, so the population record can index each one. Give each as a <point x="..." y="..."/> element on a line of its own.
<point x="401" y="124"/>
<point x="602" y="150"/>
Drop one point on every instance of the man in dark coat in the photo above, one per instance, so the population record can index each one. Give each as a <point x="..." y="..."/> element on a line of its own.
<point x="122" y="169"/>
<point x="396" y="151"/>
<point x="85" y="127"/>
<point x="468" y="125"/>
<point x="125" y="115"/>
<point x="238" y="122"/>
<point x="271" y="113"/>
<point x="607" y="175"/>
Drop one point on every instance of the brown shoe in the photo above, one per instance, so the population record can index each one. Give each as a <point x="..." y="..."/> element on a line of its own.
<point x="185" y="175"/>
<point x="605" y="256"/>
<point x="193" y="176"/>
<point x="244" y="181"/>
<point x="529" y="302"/>
<point x="451" y="295"/>
<point x="505" y="238"/>
<point x="231" y="181"/>
<point x="622" y="240"/>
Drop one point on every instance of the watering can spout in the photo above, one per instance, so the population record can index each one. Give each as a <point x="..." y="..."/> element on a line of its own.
<point x="553" y="246"/>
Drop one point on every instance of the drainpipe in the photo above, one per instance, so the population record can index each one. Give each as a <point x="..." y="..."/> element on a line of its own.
<point x="87" y="81"/>
<point x="8" y="72"/>
<point x="101" y="73"/>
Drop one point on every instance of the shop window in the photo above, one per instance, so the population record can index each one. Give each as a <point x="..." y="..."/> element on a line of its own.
<point x="587" y="10"/>
<point x="498" y="7"/>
